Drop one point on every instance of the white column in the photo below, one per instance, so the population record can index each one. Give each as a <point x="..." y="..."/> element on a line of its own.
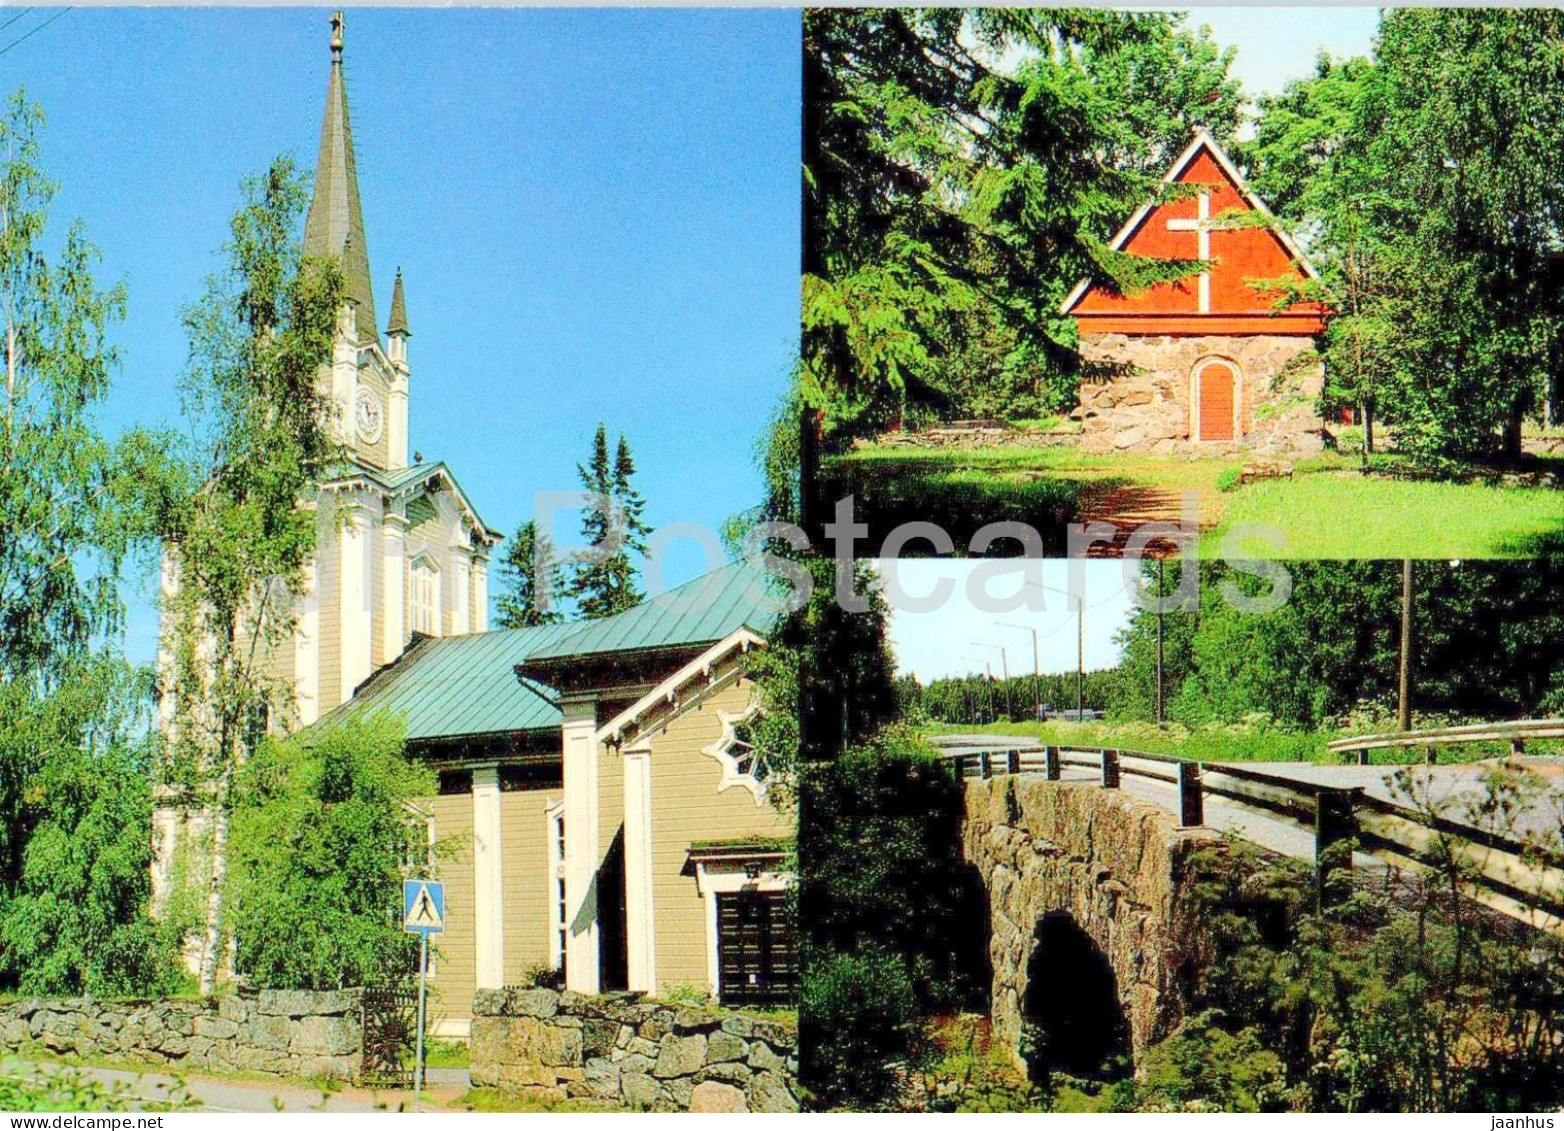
<point x="354" y="598"/>
<point x="396" y="418"/>
<point x="480" y="592"/>
<point x="393" y="601"/>
<point x="461" y="591"/>
<point x="488" y="886"/>
<point x="581" y="848"/>
<point x="641" y="938"/>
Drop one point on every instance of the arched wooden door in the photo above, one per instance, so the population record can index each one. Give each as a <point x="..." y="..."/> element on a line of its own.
<point x="1215" y="384"/>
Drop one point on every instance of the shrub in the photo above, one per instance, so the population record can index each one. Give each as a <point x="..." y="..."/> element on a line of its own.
<point x="856" y="1025"/>
<point x="322" y="835"/>
<point x="1228" y="480"/>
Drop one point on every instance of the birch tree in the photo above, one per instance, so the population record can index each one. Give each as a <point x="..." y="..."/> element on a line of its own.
<point x="239" y="541"/>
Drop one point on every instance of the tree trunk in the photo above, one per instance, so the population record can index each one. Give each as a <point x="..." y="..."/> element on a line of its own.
<point x="1368" y="428"/>
<point x="212" y="936"/>
<point x="1511" y="448"/>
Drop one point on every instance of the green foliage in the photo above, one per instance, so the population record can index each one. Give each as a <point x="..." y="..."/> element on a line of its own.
<point x="980" y="699"/>
<point x="858" y="1013"/>
<point x="76" y="920"/>
<point x="74" y="785"/>
<point x="1488" y="636"/>
<point x="32" y="1089"/>
<point x="529" y="580"/>
<point x="950" y="204"/>
<point x="1205" y="1067"/>
<point x="604" y="579"/>
<point x="324" y="833"/>
<point x="1433" y="212"/>
<point x="1229" y="480"/>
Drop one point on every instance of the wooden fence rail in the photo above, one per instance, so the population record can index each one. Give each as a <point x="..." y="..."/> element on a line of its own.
<point x="1515" y="733"/>
<point x="1511" y="875"/>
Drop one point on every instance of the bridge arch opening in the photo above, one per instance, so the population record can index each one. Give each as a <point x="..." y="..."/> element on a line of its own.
<point x="1071" y="1014"/>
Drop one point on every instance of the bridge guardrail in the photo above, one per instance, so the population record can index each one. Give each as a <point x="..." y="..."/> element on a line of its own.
<point x="1516" y="733"/>
<point x="1508" y="874"/>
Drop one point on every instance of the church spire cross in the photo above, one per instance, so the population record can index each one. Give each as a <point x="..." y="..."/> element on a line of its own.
<point x="337" y="24"/>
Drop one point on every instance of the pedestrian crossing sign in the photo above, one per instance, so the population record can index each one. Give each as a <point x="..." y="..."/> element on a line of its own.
<point x="423" y="907"/>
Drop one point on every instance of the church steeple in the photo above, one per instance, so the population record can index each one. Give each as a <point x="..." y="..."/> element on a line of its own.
<point x="335" y="224"/>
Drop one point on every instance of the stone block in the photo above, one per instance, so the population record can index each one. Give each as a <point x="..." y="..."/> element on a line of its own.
<point x="768" y="1092"/>
<point x="679" y="1056"/>
<point x="219" y="1027"/>
<point x="763" y="1057"/>
<point x="531" y="1003"/>
<point x="714" y="1097"/>
<point x="723" y="1045"/>
<point x="234" y="1008"/>
<point x="738" y="1025"/>
<point x="695" y="1019"/>
<point x="638" y="1090"/>
<point x="326" y="1036"/>
<point x="602" y="1077"/>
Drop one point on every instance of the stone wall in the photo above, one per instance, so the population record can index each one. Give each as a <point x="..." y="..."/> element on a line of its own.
<point x="1120" y="868"/>
<point x="631" y="1051"/>
<point x="1145" y="406"/>
<point x="276" y="1032"/>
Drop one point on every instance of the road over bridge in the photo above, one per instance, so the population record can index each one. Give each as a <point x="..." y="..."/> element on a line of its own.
<point x="1091" y="859"/>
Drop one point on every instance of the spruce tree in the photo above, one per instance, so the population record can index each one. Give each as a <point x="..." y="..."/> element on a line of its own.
<point x="604" y="581"/>
<point x="529" y="573"/>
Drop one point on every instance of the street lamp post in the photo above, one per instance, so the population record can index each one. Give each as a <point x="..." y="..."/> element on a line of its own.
<point x="1037" y="670"/>
<point x="1004" y="660"/>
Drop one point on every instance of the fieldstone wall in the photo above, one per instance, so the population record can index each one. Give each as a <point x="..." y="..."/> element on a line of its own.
<point x="1120" y="868"/>
<point x="276" y="1032"/>
<point x="1146" y="405"/>
<point x="628" y="1050"/>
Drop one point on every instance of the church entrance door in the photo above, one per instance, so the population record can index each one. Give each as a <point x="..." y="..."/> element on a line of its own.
<point x="1214" y="382"/>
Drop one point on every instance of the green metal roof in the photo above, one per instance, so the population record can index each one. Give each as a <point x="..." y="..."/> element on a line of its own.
<point x="702" y="611"/>
<point x="455" y="686"/>
<point x="460" y="685"/>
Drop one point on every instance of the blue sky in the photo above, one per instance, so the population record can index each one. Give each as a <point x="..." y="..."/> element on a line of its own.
<point x="596" y="214"/>
<point x="1277" y="44"/>
<point x="957" y="637"/>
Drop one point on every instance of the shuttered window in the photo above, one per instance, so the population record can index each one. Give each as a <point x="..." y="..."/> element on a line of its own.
<point x="757" y="955"/>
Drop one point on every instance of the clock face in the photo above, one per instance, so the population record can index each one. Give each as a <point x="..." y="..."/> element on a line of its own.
<point x="369" y="418"/>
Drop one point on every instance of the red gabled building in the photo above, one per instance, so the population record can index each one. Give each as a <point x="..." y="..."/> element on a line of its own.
<point x="1210" y="362"/>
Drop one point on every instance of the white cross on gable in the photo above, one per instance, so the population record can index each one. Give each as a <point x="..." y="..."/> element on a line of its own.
<point x="1201" y="226"/>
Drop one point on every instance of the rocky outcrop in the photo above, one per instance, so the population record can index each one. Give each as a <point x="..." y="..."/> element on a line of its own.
<point x="628" y="1050"/>
<point x="1136" y="396"/>
<point x="275" y="1032"/>
<point x="1119" y="868"/>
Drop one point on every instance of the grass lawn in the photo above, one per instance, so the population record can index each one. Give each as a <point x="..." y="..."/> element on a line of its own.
<point x="1218" y="743"/>
<point x="1328" y="509"/>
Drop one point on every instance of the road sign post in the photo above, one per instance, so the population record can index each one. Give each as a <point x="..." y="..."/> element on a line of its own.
<point x="423" y="914"/>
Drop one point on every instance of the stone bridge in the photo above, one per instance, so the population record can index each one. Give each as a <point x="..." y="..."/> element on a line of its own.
<point x="1094" y="919"/>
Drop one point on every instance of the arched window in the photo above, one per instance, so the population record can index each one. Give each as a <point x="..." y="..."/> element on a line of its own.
<point x="423" y="595"/>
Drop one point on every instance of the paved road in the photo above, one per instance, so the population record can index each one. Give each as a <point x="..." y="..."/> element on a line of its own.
<point x="1442" y="786"/>
<point x="211" y="1093"/>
